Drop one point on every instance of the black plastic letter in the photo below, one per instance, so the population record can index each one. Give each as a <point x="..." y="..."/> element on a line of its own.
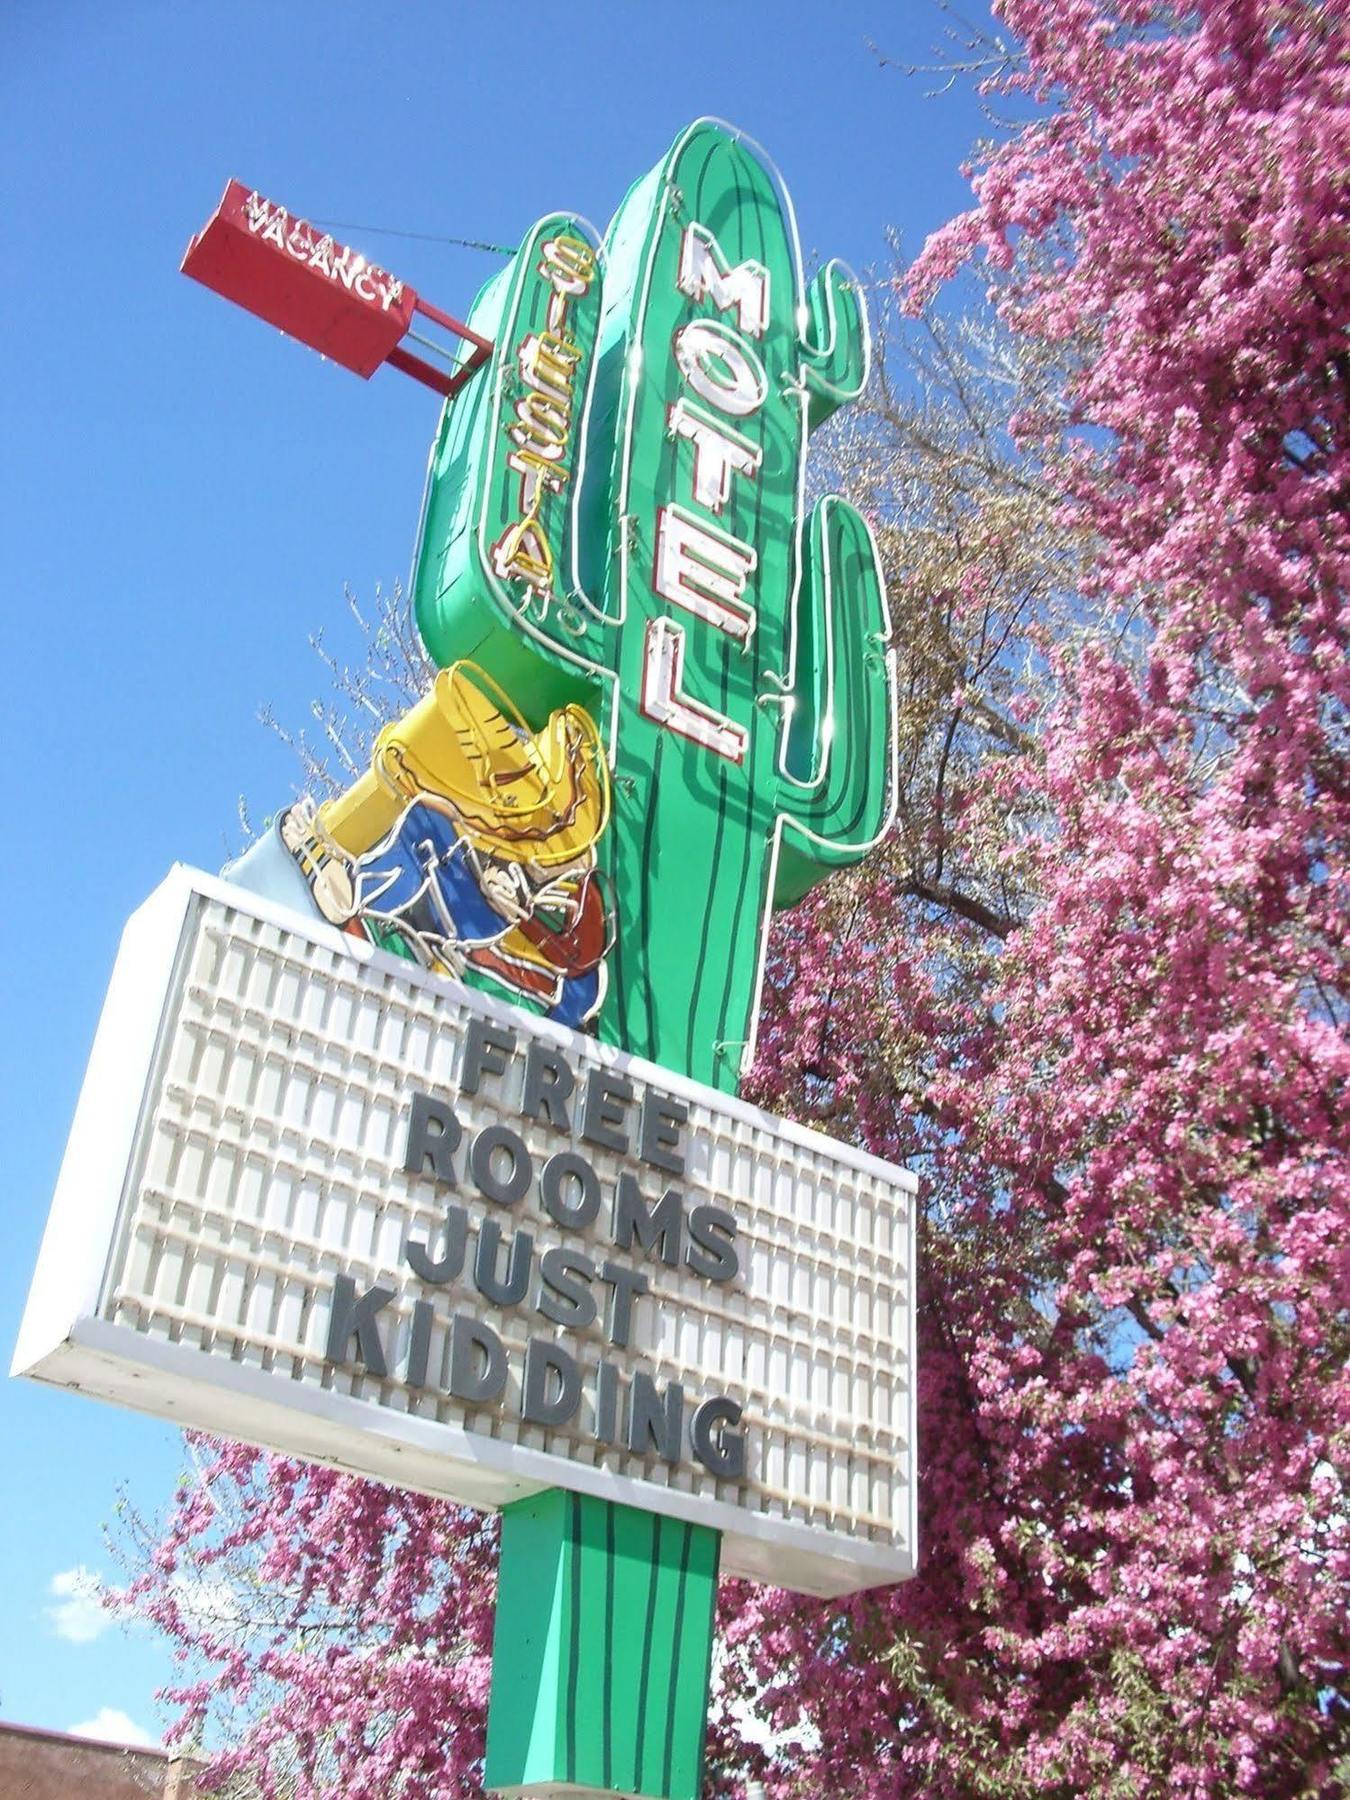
<point x="486" y="1048"/>
<point x="627" y="1285"/>
<point x="607" y="1403"/>
<point x="419" y="1344"/>
<point x="543" y="1359"/>
<point x="554" y="1173"/>
<point x="602" y="1120"/>
<point x="655" y="1422"/>
<point x="659" y="1136"/>
<point x="433" y="1137"/>
<point x="717" y="1445"/>
<point x="548" y="1083"/>
<point x="565" y="1288"/>
<point x="511" y="1291"/>
<point x="505" y="1190"/>
<point x="712" y="1244"/>
<point x="350" y="1318"/>
<point x="480" y="1385"/>
<point x="447" y="1265"/>
<point x="658" y="1228"/>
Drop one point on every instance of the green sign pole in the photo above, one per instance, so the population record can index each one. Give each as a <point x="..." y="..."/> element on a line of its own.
<point x="602" y="1651"/>
<point x="616" y="518"/>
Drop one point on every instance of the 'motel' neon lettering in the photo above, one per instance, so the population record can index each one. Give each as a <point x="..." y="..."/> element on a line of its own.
<point x="699" y="568"/>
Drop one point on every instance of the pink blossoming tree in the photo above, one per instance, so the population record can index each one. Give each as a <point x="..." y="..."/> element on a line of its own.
<point x="1111" y="1029"/>
<point x="1092" y="988"/>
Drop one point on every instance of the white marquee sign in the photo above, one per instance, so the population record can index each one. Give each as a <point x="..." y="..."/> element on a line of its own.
<point x="317" y="1200"/>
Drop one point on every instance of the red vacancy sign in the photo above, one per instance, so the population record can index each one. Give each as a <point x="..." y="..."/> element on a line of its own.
<point x="301" y="280"/>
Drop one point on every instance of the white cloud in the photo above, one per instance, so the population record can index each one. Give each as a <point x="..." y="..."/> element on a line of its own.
<point x="208" y="1603"/>
<point x="79" y="1616"/>
<point x="115" y="1727"/>
<point x="81" y="1613"/>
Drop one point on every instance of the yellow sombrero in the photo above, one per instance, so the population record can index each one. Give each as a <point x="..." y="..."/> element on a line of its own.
<point x="464" y="749"/>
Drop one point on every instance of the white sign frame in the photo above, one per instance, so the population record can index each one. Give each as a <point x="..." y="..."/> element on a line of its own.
<point x="68" y="1340"/>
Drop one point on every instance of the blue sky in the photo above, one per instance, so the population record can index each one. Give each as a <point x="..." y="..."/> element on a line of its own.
<point x="184" y="493"/>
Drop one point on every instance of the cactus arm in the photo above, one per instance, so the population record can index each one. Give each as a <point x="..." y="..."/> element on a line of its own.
<point x="838" y="726"/>
<point x="836" y="345"/>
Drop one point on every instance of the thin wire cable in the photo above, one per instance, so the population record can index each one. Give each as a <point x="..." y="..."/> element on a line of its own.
<point x="426" y="237"/>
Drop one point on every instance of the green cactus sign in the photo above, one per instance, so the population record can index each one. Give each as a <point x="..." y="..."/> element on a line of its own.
<point x="616" y="518"/>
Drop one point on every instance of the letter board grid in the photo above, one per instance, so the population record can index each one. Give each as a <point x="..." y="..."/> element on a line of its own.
<point x="268" y="1160"/>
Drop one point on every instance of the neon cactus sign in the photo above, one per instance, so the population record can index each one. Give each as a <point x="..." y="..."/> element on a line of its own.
<point x="733" y="645"/>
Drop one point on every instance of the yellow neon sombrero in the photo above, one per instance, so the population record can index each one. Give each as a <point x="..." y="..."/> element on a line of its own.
<point x="464" y="749"/>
